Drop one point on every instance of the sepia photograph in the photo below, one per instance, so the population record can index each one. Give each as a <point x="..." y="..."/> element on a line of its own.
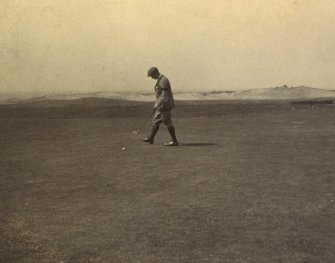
<point x="167" y="131"/>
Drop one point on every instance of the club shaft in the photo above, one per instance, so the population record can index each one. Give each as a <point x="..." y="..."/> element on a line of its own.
<point x="145" y="121"/>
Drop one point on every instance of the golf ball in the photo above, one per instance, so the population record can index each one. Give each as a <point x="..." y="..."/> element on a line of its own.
<point x="123" y="148"/>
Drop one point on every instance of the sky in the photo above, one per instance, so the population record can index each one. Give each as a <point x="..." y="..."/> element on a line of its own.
<point x="57" y="46"/>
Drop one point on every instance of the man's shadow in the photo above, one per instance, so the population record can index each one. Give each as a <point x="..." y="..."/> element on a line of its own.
<point x="198" y="144"/>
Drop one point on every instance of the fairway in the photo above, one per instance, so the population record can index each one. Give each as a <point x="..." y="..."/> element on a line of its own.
<point x="242" y="186"/>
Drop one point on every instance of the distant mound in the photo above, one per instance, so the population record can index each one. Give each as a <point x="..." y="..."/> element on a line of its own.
<point x="285" y="93"/>
<point x="14" y="98"/>
<point x="276" y="93"/>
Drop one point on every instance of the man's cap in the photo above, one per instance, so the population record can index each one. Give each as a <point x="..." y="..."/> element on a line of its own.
<point x="153" y="71"/>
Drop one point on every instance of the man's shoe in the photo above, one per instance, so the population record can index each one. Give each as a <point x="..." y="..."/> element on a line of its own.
<point x="173" y="143"/>
<point x="149" y="140"/>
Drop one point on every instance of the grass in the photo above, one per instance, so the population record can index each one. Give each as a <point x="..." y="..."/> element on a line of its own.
<point x="244" y="186"/>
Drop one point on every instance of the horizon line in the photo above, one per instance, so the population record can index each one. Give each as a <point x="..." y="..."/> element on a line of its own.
<point x="146" y="91"/>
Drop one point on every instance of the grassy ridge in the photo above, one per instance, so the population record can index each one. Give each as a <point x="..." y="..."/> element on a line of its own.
<point x="111" y="108"/>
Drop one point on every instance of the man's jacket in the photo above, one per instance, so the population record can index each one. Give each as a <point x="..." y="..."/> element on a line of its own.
<point x="164" y="96"/>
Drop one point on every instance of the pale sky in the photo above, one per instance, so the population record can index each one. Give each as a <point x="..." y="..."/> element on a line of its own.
<point x="82" y="46"/>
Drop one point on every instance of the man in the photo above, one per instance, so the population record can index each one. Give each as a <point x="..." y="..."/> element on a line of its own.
<point x="163" y="106"/>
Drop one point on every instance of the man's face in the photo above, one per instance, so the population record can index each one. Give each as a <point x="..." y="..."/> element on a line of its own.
<point x="155" y="76"/>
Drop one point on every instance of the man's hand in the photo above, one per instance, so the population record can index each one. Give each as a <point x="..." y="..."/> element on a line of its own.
<point x="155" y="107"/>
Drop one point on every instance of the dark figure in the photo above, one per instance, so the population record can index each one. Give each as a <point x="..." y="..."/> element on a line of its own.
<point x="163" y="106"/>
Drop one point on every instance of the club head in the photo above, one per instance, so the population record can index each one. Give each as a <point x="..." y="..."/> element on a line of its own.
<point x="135" y="131"/>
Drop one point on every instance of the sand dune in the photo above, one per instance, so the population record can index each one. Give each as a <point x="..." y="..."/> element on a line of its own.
<point x="275" y="93"/>
<point x="285" y="92"/>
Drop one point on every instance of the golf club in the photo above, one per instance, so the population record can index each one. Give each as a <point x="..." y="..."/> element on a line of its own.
<point x="145" y="121"/>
